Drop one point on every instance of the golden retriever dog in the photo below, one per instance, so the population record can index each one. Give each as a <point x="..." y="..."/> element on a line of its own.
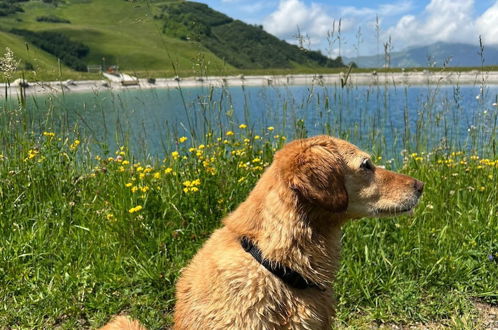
<point x="273" y="263"/>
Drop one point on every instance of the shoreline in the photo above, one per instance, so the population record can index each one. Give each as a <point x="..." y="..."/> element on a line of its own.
<point x="389" y="78"/>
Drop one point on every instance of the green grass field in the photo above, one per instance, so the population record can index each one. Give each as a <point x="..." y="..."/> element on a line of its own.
<point x="86" y="236"/>
<point x="123" y="33"/>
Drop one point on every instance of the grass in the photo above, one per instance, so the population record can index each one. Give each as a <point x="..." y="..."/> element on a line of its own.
<point x="87" y="236"/>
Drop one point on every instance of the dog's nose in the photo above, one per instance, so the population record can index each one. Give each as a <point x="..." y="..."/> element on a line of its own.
<point x="419" y="187"/>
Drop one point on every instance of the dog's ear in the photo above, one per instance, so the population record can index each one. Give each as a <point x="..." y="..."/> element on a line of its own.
<point x="316" y="175"/>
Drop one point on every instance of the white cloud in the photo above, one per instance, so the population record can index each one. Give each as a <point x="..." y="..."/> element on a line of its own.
<point x="312" y="20"/>
<point x="487" y="25"/>
<point x="315" y="20"/>
<point x="440" y="21"/>
<point x="446" y="21"/>
<point x="382" y="11"/>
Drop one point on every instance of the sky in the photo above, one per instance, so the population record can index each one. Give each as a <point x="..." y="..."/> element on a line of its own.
<point x="366" y="27"/>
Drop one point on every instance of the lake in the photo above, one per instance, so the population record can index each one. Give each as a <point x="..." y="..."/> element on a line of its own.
<point x="382" y="119"/>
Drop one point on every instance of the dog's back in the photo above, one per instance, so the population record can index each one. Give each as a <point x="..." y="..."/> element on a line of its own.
<point x="224" y="288"/>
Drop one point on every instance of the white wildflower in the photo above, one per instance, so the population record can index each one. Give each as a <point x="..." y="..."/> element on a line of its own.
<point x="8" y="64"/>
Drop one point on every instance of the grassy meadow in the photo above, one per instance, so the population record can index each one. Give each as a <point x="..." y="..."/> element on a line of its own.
<point x="86" y="235"/>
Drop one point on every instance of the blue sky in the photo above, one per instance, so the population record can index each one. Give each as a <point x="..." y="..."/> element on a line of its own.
<point x="405" y="22"/>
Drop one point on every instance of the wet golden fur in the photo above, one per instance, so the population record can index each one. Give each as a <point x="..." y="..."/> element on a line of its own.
<point x="294" y="215"/>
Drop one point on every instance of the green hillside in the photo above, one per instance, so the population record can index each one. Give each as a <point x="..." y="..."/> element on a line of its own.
<point x="243" y="46"/>
<point x="138" y="37"/>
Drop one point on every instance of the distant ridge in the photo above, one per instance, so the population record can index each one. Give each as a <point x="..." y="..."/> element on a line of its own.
<point x="435" y="55"/>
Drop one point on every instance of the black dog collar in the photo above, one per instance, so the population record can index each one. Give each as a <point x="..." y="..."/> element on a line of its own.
<point x="287" y="275"/>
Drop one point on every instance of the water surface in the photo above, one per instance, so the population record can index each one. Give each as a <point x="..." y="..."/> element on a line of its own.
<point x="381" y="119"/>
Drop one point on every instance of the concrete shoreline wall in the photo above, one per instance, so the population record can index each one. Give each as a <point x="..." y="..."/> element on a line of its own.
<point x="398" y="78"/>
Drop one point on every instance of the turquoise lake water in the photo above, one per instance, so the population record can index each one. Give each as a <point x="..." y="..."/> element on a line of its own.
<point x="382" y="119"/>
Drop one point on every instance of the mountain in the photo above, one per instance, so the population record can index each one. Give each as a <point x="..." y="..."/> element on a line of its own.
<point x="143" y="35"/>
<point x="241" y="45"/>
<point x="436" y="55"/>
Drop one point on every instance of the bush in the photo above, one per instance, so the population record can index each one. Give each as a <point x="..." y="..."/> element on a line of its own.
<point x="52" y="19"/>
<point x="9" y="7"/>
<point x="69" y="52"/>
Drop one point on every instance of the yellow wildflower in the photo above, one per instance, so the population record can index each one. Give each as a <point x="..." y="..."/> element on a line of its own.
<point x="242" y="126"/>
<point x="128" y="185"/>
<point x="135" y="209"/>
<point x="157" y="175"/>
<point x="175" y="155"/>
<point x="182" y="139"/>
<point x="74" y="145"/>
<point x="49" y="134"/>
<point x="191" y="186"/>
<point x="32" y="153"/>
<point x="134" y="189"/>
<point x="230" y="133"/>
<point x="257" y="137"/>
<point x="125" y="162"/>
<point x="168" y="170"/>
<point x="270" y="128"/>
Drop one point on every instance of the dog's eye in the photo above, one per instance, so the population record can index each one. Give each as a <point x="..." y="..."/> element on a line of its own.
<point x="366" y="164"/>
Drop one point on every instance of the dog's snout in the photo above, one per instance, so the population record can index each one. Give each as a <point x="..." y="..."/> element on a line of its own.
<point x="419" y="187"/>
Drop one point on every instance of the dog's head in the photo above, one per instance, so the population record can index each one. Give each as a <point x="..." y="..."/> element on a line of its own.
<point x="336" y="176"/>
